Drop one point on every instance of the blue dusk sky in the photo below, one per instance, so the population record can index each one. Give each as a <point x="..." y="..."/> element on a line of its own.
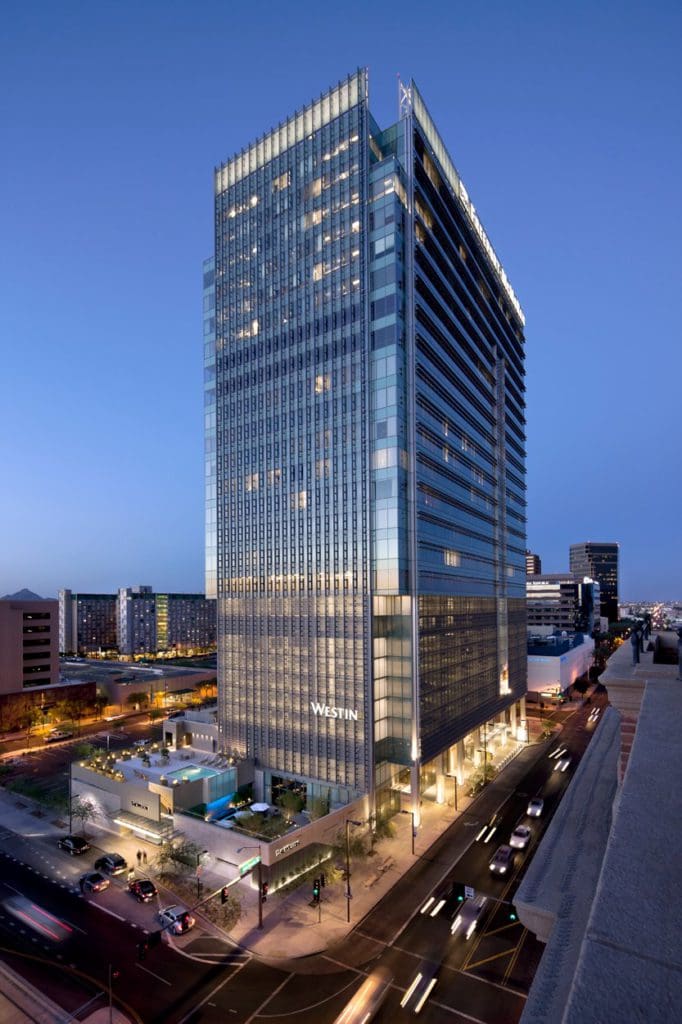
<point x="564" y="122"/>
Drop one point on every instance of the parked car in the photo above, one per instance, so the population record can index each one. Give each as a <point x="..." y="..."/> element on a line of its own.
<point x="535" y="807"/>
<point x="502" y="861"/>
<point x="74" y="845"/>
<point x="520" y="837"/>
<point x="93" y="881"/>
<point x="112" y="864"/>
<point x="176" y="919"/>
<point x="55" y="735"/>
<point x="143" y="890"/>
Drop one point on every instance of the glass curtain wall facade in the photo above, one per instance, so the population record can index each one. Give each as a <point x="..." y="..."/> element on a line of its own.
<point x="209" y="424"/>
<point x="292" y="420"/>
<point x="370" y="443"/>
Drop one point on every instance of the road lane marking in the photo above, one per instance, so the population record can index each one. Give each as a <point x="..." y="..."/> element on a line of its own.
<point x="197" y="1006"/>
<point x="515" y="957"/>
<point x="157" y="976"/>
<point x="495" y="931"/>
<point x="105" y="910"/>
<point x="256" y="1012"/>
<point x="495" y="956"/>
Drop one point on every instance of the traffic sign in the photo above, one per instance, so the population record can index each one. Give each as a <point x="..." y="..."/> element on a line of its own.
<point x="248" y="865"/>
<point x="469" y="892"/>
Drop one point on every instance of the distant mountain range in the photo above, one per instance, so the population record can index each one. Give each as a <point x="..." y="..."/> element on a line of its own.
<point x="23" y="595"/>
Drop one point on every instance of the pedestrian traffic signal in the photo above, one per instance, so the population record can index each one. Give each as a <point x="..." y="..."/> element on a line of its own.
<point x="323" y="881"/>
<point x="264" y="892"/>
<point x="142" y="948"/>
<point x="458" y="891"/>
<point x="223" y="894"/>
<point x="316" y="890"/>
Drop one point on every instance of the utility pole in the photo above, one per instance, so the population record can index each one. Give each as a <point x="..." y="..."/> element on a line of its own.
<point x="349" y="895"/>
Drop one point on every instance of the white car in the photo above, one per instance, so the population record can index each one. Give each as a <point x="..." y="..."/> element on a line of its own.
<point x="562" y="764"/>
<point x="503" y="860"/>
<point x="177" y="919"/>
<point x="535" y="807"/>
<point x="520" y="837"/>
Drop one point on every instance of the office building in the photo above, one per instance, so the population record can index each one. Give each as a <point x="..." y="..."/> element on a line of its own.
<point x="87" y="623"/>
<point x="599" y="561"/>
<point x="561" y="601"/>
<point x="29" y="638"/>
<point x="370" y="459"/>
<point x="151" y="624"/>
<point x="556" y="662"/>
<point x="533" y="564"/>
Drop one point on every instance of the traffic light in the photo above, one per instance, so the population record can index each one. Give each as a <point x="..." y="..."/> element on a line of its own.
<point x="322" y="881"/>
<point x="513" y="916"/>
<point x="458" y="891"/>
<point x="264" y="892"/>
<point x="316" y="890"/>
<point x="223" y="894"/>
<point x="142" y="948"/>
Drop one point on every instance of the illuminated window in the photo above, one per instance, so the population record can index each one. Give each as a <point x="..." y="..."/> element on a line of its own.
<point x="313" y="218"/>
<point x="322" y="383"/>
<point x="251" y="482"/>
<point x="318" y="272"/>
<point x="313" y="189"/>
<point x="452" y="558"/>
<point x="282" y="182"/>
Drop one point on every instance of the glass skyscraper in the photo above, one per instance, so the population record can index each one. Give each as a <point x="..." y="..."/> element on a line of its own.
<point x="365" y="456"/>
<point x="599" y="560"/>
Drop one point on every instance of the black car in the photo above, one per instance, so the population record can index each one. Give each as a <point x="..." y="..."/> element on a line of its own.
<point x="93" y="881"/>
<point x="73" y="844"/>
<point x="112" y="864"/>
<point x="143" y="890"/>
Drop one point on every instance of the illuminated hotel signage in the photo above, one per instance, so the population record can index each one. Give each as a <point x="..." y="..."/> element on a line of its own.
<point x="287" y="848"/>
<point x="325" y="711"/>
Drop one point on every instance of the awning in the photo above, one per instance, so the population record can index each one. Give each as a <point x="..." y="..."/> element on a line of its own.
<point x="157" y="831"/>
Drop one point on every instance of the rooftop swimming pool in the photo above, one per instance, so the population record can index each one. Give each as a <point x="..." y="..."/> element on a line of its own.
<point x="191" y="772"/>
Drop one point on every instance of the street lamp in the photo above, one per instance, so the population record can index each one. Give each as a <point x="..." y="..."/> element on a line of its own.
<point x="199" y="871"/>
<point x="349" y="821"/>
<point x="414" y="827"/>
<point x="112" y="974"/>
<point x="260" y="882"/>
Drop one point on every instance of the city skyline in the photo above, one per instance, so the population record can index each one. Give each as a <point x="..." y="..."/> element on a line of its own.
<point x="108" y="217"/>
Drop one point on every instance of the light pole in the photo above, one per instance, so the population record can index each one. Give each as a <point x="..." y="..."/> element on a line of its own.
<point x="199" y="856"/>
<point x="260" y="882"/>
<point x="112" y="974"/>
<point x="349" y="896"/>
<point x="413" y="826"/>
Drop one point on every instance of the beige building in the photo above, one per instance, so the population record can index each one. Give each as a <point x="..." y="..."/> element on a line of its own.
<point x="29" y="643"/>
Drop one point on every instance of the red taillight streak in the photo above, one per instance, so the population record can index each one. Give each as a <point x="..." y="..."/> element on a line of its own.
<point x="55" y="919"/>
<point x="36" y="924"/>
